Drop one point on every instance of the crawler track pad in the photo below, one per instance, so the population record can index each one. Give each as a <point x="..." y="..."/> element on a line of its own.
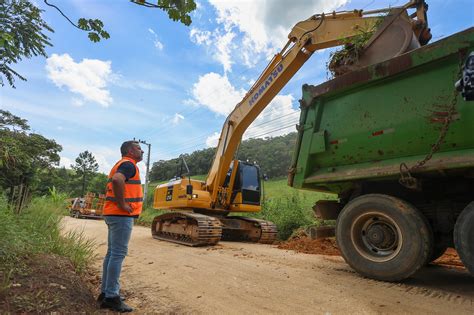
<point x="189" y="229"/>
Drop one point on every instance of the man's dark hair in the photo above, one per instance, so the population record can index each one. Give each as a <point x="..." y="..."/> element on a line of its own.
<point x="127" y="145"/>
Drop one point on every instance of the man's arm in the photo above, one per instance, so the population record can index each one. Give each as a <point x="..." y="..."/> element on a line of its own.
<point x="118" y="186"/>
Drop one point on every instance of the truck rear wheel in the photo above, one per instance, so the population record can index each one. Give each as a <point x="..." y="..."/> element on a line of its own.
<point x="383" y="237"/>
<point x="464" y="237"/>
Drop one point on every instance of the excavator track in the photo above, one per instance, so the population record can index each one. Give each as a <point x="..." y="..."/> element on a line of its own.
<point x="248" y="230"/>
<point x="269" y="232"/>
<point x="186" y="228"/>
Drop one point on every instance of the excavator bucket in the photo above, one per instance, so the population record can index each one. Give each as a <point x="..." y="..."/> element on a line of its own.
<point x="394" y="36"/>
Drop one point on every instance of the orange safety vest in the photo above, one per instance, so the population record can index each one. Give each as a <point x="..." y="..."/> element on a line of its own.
<point x="133" y="193"/>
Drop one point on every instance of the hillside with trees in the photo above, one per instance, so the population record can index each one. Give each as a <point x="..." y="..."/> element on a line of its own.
<point x="29" y="159"/>
<point x="273" y="155"/>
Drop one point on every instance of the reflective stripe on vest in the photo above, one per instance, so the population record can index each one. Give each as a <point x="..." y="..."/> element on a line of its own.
<point x="126" y="199"/>
<point x="133" y="193"/>
<point x="131" y="182"/>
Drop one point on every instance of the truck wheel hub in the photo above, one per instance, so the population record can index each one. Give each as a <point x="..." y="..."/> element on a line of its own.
<point x="376" y="236"/>
<point x="381" y="236"/>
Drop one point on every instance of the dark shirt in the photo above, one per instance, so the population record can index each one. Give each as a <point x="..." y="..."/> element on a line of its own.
<point x="127" y="169"/>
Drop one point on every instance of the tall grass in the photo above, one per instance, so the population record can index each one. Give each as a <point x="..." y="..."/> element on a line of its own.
<point x="289" y="213"/>
<point x="147" y="216"/>
<point x="37" y="229"/>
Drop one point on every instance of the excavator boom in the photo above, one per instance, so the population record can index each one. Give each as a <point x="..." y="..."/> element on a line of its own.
<point x="317" y="32"/>
<point x="234" y="186"/>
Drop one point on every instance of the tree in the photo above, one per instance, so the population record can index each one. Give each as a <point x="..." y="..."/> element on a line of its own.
<point x="273" y="155"/>
<point x="22" y="29"/>
<point x="85" y="165"/>
<point x="178" y="10"/>
<point x="22" y="153"/>
<point x="46" y="180"/>
<point x="21" y="35"/>
<point x="97" y="183"/>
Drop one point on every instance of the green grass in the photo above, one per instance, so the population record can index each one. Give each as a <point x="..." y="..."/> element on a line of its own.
<point x="147" y="215"/>
<point x="37" y="230"/>
<point x="290" y="209"/>
<point x="278" y="188"/>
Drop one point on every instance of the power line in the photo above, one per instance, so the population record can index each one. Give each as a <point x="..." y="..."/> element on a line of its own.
<point x="255" y="134"/>
<point x="145" y="190"/>
<point x="190" y="141"/>
<point x="263" y="134"/>
<point x="168" y="129"/>
<point x="213" y="90"/>
<point x="252" y="137"/>
<point x="251" y="132"/>
<point x="266" y="122"/>
<point x="371" y="2"/>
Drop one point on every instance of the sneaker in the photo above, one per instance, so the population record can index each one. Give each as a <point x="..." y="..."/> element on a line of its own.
<point x="115" y="304"/>
<point x="101" y="297"/>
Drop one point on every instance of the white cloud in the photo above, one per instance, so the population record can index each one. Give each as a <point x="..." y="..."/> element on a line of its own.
<point x="212" y="140"/>
<point x="87" y="78"/>
<point x="200" y="37"/>
<point x="259" y="28"/>
<point x="177" y="118"/>
<point x="158" y="45"/>
<point x="105" y="158"/>
<point x="224" y="46"/>
<point x="65" y="162"/>
<point x="77" y="102"/>
<point x="216" y="93"/>
<point x="278" y="118"/>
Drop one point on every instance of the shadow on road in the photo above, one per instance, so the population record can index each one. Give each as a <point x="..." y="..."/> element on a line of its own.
<point x="447" y="279"/>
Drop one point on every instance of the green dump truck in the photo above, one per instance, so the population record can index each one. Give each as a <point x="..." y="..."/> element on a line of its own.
<point x="395" y="141"/>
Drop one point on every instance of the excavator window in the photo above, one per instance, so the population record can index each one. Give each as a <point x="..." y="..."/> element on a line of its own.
<point x="247" y="182"/>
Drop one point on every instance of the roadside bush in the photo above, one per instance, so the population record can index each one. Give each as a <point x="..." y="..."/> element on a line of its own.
<point x="288" y="213"/>
<point x="147" y="216"/>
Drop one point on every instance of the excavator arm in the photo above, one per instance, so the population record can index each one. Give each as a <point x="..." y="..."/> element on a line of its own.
<point x="317" y="32"/>
<point x="201" y="210"/>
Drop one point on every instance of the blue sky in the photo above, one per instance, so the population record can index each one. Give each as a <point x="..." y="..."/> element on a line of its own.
<point x="168" y="84"/>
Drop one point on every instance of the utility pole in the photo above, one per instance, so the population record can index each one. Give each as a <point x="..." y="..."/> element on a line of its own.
<point x="145" y="189"/>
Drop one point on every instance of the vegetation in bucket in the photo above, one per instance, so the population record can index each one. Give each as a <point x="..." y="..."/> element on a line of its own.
<point x="349" y="54"/>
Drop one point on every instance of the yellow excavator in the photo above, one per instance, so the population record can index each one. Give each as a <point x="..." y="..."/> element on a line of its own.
<point x="200" y="210"/>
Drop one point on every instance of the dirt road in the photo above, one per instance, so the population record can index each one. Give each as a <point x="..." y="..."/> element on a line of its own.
<point x="238" y="278"/>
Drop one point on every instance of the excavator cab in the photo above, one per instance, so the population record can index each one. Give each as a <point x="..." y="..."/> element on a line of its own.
<point x="247" y="184"/>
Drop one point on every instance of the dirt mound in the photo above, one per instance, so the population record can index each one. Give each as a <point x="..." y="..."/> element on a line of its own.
<point x="304" y="244"/>
<point x="48" y="283"/>
<point x="328" y="246"/>
<point x="449" y="258"/>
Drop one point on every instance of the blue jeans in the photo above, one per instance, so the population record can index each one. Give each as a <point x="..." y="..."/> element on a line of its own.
<point x="120" y="230"/>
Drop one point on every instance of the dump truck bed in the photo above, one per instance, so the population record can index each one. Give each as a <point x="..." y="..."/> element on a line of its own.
<point x="365" y="124"/>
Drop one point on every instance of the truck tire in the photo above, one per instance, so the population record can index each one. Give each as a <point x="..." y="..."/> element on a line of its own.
<point x="383" y="237"/>
<point x="440" y="245"/>
<point x="464" y="237"/>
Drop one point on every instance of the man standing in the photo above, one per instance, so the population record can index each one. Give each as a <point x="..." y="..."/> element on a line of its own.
<point x="123" y="203"/>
